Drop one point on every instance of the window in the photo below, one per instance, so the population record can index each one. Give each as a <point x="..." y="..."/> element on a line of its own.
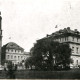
<point x="19" y="51"/>
<point x="77" y="62"/>
<point x="73" y="39"/>
<point x="77" y="50"/>
<point x="11" y="56"/>
<point x="8" y="56"/>
<point x="11" y="50"/>
<point x="60" y="39"/>
<point x="72" y="49"/>
<point x="18" y="57"/>
<point x="21" y="57"/>
<point x="65" y="38"/>
<point x="77" y="39"/>
<point x="14" y="57"/>
<point x="8" y="50"/>
<point x="15" y="50"/>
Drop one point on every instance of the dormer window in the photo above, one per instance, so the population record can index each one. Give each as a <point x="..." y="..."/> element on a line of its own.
<point x="12" y="45"/>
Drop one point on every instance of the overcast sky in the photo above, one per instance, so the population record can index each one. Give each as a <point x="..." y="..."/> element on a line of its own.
<point x="25" y="21"/>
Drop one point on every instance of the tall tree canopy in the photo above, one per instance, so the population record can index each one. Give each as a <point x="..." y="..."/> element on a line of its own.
<point x="45" y="51"/>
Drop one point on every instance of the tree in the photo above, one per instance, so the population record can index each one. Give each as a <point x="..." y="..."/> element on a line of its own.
<point x="62" y="55"/>
<point x="11" y="70"/>
<point x="45" y="50"/>
<point x="29" y="62"/>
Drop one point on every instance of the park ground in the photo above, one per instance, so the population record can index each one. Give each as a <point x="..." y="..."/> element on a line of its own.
<point x="29" y="74"/>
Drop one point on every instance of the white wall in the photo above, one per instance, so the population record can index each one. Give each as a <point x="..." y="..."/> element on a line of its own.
<point x="21" y="55"/>
<point x="75" y="56"/>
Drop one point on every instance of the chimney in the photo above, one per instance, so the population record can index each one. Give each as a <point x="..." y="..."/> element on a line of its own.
<point x="68" y="28"/>
<point x="64" y="28"/>
<point x="75" y="30"/>
<point x="47" y="35"/>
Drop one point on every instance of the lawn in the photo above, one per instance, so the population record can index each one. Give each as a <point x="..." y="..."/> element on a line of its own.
<point x="26" y="74"/>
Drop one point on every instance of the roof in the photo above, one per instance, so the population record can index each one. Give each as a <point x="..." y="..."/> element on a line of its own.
<point x="13" y="45"/>
<point x="66" y="30"/>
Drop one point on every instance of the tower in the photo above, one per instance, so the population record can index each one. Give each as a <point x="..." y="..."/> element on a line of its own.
<point x="0" y="36"/>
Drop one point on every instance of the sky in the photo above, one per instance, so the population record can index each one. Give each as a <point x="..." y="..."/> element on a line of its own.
<point x="25" y="21"/>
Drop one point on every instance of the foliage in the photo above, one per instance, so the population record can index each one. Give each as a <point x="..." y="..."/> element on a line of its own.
<point x="9" y="66"/>
<point x="29" y="62"/>
<point x="46" y="48"/>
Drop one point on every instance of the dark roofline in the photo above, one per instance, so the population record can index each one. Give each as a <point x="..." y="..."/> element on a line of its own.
<point x="66" y="31"/>
<point x="12" y="48"/>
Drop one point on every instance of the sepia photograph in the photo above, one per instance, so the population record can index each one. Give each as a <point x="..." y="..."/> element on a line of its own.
<point x="39" y="39"/>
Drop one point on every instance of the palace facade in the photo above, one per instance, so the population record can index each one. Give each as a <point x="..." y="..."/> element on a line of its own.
<point x="72" y="37"/>
<point x="13" y="52"/>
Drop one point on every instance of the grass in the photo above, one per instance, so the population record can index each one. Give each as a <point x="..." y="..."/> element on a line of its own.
<point x="27" y="74"/>
<point x="71" y="74"/>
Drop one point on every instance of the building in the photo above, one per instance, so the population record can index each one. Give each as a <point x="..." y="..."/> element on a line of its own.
<point x="72" y="37"/>
<point x="0" y="36"/>
<point x="13" y="52"/>
<point x="27" y="54"/>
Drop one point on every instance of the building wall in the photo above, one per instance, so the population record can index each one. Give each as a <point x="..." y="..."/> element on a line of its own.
<point x="74" y="43"/>
<point x="0" y="36"/>
<point x="16" y="56"/>
<point x="68" y="39"/>
<point x="76" y="60"/>
<point x="13" y="52"/>
<point x="74" y="39"/>
<point x="75" y="53"/>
